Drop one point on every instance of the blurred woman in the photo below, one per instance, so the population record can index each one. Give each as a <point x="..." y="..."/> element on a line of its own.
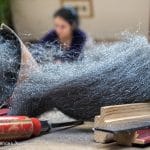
<point x="67" y="37"/>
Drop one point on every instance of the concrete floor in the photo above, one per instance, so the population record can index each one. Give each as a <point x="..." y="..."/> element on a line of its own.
<point x="78" y="138"/>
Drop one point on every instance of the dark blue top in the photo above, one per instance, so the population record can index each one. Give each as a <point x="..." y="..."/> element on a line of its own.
<point x="73" y="52"/>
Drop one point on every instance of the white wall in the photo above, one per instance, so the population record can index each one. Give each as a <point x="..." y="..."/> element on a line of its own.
<point x="110" y="17"/>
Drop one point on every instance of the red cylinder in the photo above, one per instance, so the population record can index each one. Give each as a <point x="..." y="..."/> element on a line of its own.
<point x="18" y="128"/>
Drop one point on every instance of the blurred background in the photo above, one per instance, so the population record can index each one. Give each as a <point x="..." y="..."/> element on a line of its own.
<point x="101" y="19"/>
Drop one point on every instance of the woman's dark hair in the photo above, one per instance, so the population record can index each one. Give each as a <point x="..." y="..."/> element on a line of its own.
<point x="69" y="14"/>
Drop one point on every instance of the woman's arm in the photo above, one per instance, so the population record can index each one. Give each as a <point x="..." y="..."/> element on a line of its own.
<point x="49" y="37"/>
<point x="75" y="50"/>
<point x="70" y="56"/>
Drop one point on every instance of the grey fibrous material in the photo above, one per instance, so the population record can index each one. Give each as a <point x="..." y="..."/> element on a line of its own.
<point x="10" y="56"/>
<point x="108" y="75"/>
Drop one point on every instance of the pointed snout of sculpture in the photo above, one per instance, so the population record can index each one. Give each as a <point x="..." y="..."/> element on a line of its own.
<point x="22" y="64"/>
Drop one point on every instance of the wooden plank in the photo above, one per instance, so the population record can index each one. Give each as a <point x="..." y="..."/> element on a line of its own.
<point x="125" y="138"/>
<point x="121" y="114"/>
<point x="103" y="137"/>
<point x="125" y="112"/>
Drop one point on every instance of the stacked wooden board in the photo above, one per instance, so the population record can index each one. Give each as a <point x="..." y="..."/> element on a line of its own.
<point x="126" y="124"/>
